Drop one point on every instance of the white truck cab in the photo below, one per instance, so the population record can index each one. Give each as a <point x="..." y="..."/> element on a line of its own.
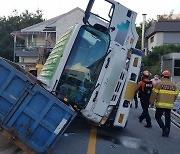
<point x="94" y="66"/>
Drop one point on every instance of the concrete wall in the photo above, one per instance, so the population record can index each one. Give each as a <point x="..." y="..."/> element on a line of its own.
<point x="171" y="38"/>
<point x="158" y="40"/>
<point x="161" y="38"/>
<point x="40" y="40"/>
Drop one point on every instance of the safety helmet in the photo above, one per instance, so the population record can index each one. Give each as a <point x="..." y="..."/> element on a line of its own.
<point x="166" y="73"/>
<point x="146" y="73"/>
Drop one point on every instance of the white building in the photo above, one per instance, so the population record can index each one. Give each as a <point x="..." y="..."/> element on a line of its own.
<point x="163" y="32"/>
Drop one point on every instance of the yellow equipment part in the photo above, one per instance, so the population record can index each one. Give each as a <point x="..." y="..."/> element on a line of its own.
<point x="130" y="89"/>
<point x="39" y="68"/>
<point x="121" y="117"/>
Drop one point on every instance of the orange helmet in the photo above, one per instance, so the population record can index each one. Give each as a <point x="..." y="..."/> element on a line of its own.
<point x="166" y="73"/>
<point x="146" y="73"/>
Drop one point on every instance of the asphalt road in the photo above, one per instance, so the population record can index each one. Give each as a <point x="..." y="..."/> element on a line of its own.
<point x="83" y="138"/>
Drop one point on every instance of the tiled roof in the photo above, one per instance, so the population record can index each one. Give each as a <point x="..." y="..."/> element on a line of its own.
<point x="48" y="23"/>
<point x="163" y="26"/>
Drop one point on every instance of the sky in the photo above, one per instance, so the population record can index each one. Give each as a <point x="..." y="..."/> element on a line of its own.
<point x="53" y="8"/>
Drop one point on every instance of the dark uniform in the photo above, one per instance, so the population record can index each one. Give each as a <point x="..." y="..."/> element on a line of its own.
<point x="164" y="94"/>
<point x="144" y="88"/>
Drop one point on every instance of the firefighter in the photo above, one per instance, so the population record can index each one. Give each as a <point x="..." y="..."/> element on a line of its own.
<point x="164" y="94"/>
<point x="144" y="89"/>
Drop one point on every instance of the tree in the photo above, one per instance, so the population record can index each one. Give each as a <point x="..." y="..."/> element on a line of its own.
<point x="139" y="32"/>
<point x="166" y="17"/>
<point x="152" y="61"/>
<point x="148" y="23"/>
<point x="15" y="23"/>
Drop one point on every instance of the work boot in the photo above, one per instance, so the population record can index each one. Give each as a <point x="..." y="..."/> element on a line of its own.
<point x="140" y="119"/>
<point x="148" y="126"/>
<point x="165" y="132"/>
<point x="136" y="105"/>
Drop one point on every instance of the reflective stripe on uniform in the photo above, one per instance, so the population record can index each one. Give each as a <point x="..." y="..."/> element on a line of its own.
<point x="177" y="91"/>
<point x="164" y="105"/>
<point x="155" y="90"/>
<point x="168" y="92"/>
<point x="161" y="91"/>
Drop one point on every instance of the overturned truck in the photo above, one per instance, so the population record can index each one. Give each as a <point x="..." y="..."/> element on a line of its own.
<point x="92" y="70"/>
<point x="94" y="67"/>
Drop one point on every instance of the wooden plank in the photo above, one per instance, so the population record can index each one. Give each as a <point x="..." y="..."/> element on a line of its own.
<point x="17" y="142"/>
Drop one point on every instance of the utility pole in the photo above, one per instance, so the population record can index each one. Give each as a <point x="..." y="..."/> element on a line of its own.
<point x="14" y="57"/>
<point x="143" y="30"/>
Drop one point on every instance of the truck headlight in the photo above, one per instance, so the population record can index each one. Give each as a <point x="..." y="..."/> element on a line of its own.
<point x="106" y="115"/>
<point x="108" y="111"/>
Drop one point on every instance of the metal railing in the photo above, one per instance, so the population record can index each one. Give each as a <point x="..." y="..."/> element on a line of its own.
<point x="175" y="118"/>
<point x="32" y="46"/>
<point x="38" y="50"/>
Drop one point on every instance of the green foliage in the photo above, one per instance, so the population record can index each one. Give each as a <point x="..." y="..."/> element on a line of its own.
<point x="148" y="23"/>
<point x="152" y="61"/>
<point x="15" y="23"/>
<point x="139" y="31"/>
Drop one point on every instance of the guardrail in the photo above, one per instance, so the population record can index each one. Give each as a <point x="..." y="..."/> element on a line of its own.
<point x="175" y="118"/>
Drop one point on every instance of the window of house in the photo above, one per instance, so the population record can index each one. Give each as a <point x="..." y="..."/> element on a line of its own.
<point x="32" y="40"/>
<point x="177" y="67"/>
<point x="152" y="39"/>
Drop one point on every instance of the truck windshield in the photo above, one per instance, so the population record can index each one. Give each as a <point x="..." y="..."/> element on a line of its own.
<point x="83" y="66"/>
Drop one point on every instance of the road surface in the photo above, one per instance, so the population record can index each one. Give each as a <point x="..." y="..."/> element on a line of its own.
<point x="83" y="138"/>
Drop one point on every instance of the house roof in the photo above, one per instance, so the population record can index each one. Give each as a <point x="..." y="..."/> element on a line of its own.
<point x="163" y="26"/>
<point x="171" y="56"/>
<point x="48" y="24"/>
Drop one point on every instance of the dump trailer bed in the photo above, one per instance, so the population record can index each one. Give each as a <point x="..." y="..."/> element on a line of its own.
<point x="31" y="116"/>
